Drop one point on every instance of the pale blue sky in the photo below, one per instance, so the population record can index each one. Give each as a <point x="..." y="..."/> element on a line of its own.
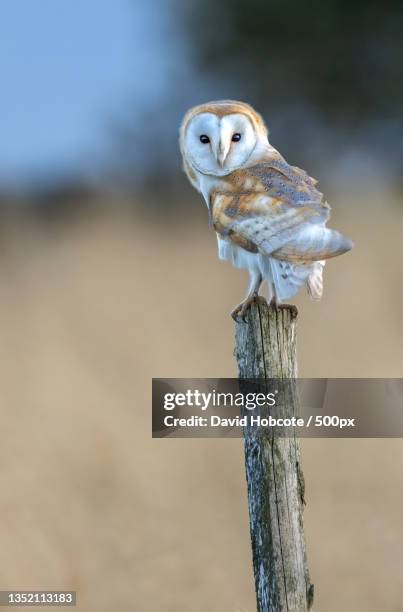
<point x="66" y="66"/>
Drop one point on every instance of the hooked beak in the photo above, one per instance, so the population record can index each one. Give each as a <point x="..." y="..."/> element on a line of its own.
<point x="222" y="153"/>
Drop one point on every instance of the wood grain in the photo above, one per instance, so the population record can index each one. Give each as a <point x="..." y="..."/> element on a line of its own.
<point x="266" y="349"/>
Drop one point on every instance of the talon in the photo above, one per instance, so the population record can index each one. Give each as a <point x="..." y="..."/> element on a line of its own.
<point x="240" y="311"/>
<point x="280" y="306"/>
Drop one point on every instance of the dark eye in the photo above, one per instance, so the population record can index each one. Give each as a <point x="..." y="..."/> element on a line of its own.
<point x="236" y="137"/>
<point x="204" y="139"/>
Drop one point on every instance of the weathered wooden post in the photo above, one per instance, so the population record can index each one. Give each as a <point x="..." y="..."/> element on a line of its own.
<point x="266" y="349"/>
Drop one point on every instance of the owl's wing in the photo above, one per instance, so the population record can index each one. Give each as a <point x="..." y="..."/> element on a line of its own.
<point x="275" y="209"/>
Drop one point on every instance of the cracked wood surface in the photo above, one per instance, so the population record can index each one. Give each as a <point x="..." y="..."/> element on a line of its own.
<point x="266" y="349"/>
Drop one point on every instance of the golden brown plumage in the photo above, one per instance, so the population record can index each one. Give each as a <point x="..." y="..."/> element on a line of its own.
<point x="259" y="208"/>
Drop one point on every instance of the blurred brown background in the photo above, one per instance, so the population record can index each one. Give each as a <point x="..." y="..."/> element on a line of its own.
<point x="109" y="276"/>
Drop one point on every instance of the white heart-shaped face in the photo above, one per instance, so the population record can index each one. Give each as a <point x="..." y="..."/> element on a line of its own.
<point x="219" y="145"/>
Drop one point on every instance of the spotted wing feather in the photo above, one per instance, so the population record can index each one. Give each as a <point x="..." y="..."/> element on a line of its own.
<point x="275" y="209"/>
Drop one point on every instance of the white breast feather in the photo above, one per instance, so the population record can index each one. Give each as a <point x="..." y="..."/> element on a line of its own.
<point x="286" y="277"/>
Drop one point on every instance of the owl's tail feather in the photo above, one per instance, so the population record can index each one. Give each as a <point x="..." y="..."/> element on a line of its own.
<point x="314" y="284"/>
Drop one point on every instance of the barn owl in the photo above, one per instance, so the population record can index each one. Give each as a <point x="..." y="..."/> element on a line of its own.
<point x="269" y="216"/>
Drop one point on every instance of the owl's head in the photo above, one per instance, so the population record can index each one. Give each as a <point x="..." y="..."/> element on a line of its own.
<point x="217" y="138"/>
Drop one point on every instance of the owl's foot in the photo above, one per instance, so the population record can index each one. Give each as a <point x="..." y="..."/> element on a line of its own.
<point x="239" y="312"/>
<point x="275" y="303"/>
